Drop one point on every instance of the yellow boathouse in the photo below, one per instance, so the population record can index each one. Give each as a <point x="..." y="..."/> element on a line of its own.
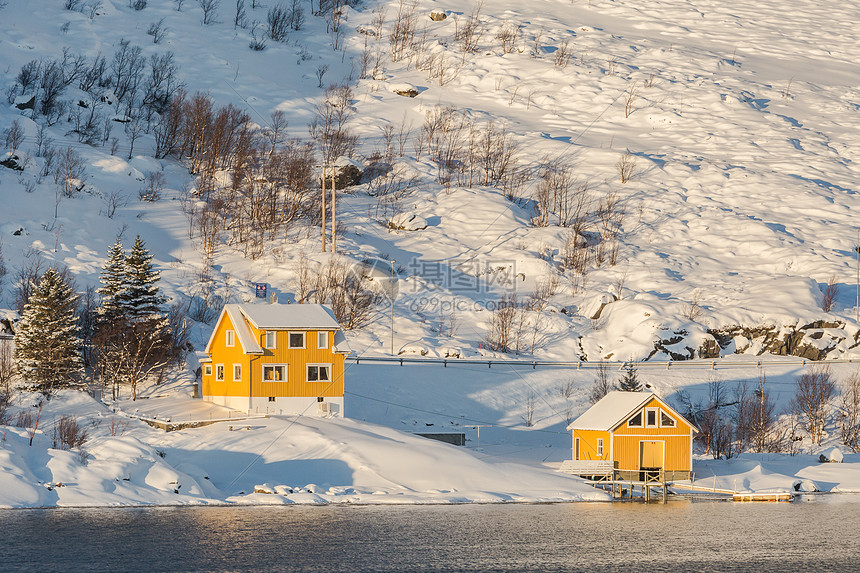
<point x="276" y="359"/>
<point x="632" y="436"/>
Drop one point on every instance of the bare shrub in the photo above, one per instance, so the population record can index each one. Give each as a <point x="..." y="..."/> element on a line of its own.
<point x="137" y="5"/>
<point x="849" y="412"/>
<point x="694" y="310"/>
<point x="13" y="136"/>
<point x="68" y="434"/>
<point x="563" y="55"/>
<point x="603" y="383"/>
<point x="210" y="10"/>
<point x="346" y="288"/>
<point x="829" y="293"/>
<point x="560" y="193"/>
<point x="631" y="97"/>
<point x="157" y="31"/>
<point x="7" y="364"/>
<point x="152" y="187"/>
<point x="470" y="33"/>
<point x="626" y="165"/>
<point x="330" y="124"/>
<point x="508" y="35"/>
<point x="814" y="392"/>
<point x="278" y="20"/>
<point x="755" y="418"/>
<point x="501" y="331"/>
<point x="258" y="37"/>
<point x="403" y="30"/>
<point x="529" y="416"/>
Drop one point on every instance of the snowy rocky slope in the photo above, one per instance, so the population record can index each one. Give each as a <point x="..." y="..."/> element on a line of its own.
<point x="738" y="125"/>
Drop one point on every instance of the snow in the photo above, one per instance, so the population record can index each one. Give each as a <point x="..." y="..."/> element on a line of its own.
<point x="289" y="315"/>
<point x="744" y="128"/>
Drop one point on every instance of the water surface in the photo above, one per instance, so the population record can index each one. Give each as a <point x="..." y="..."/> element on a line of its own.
<point x="679" y="536"/>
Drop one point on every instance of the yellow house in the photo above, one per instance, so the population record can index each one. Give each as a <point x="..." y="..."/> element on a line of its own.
<point x="276" y="359"/>
<point x="632" y="436"/>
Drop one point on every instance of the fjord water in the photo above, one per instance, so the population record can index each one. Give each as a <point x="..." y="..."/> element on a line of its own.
<point x="678" y="536"/>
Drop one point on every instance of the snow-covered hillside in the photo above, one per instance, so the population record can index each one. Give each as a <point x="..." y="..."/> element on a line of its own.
<point x="738" y="126"/>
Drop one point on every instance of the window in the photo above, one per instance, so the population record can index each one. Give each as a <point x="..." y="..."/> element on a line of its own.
<point x="274" y="373"/>
<point x="271" y="338"/>
<point x="219" y="372"/>
<point x="207" y="370"/>
<point x="576" y="448"/>
<point x="599" y="447"/>
<point x="635" y="421"/>
<point x="322" y="339"/>
<point x="230" y="337"/>
<point x="666" y="421"/>
<point x="271" y="398"/>
<point x="237" y="373"/>
<point x="297" y="340"/>
<point x="651" y="417"/>
<point x="319" y="372"/>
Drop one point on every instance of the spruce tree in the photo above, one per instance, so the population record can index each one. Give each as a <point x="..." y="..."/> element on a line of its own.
<point x="113" y="279"/>
<point x="133" y="338"/>
<point x="47" y="343"/>
<point x="140" y="298"/>
<point x="629" y="381"/>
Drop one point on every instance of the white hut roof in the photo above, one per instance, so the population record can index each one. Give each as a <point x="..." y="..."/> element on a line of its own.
<point x="610" y="410"/>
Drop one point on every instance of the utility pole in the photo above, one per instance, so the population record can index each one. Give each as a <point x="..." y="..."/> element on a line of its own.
<point x="323" y="207"/>
<point x="333" y="214"/>
<point x="391" y="299"/>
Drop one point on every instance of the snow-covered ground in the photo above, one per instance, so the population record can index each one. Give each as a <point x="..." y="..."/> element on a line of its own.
<point x="743" y="124"/>
<point x="373" y="457"/>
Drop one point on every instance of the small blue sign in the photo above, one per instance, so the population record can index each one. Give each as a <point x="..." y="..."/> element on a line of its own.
<point x="261" y="290"/>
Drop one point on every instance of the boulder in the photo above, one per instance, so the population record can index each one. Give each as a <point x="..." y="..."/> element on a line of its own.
<point x="405" y="90"/>
<point x="347" y="172"/>
<point x="407" y="222"/>
<point x="12" y="161"/>
<point x="805" y="485"/>
<point x="593" y="308"/>
<point x="26" y="101"/>
<point x="831" y="456"/>
<point x="438" y="15"/>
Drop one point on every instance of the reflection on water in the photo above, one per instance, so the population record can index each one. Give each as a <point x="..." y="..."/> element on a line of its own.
<point x="679" y="536"/>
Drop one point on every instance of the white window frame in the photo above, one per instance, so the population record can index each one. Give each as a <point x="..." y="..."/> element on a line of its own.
<point x="630" y="423"/>
<point x="237" y="368"/>
<point x="284" y="366"/>
<point x="207" y="370"/>
<point x="229" y="338"/>
<point x="274" y="342"/>
<point x="219" y="372"/>
<point x="290" y="340"/>
<point x="317" y="365"/>
<point x="322" y="339"/>
<point x="656" y="423"/>
<point x="674" y="423"/>
<point x="600" y="448"/>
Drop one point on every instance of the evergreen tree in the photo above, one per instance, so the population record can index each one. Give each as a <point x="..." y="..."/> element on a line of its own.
<point x="133" y="337"/>
<point x="140" y="298"/>
<point x="47" y="343"/>
<point x="113" y="279"/>
<point x="629" y="381"/>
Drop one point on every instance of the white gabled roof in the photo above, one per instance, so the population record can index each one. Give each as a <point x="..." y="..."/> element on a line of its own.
<point x="285" y="316"/>
<point x="243" y="333"/>
<point x="610" y="410"/>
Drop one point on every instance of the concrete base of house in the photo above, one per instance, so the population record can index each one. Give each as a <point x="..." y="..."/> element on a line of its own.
<point x="283" y="406"/>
